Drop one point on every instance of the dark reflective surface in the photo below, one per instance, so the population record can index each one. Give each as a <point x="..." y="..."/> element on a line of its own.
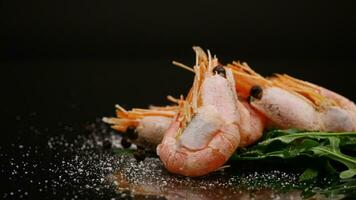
<point x="149" y="178"/>
<point x="71" y="162"/>
<point x="75" y="164"/>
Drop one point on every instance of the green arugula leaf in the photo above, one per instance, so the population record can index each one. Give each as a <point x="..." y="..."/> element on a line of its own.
<point x="333" y="152"/>
<point x="287" y="144"/>
<point x="308" y="174"/>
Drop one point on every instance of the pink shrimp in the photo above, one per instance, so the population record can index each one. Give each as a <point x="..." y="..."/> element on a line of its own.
<point x="291" y="103"/>
<point x="210" y="123"/>
<point x="143" y="127"/>
<point x="229" y="107"/>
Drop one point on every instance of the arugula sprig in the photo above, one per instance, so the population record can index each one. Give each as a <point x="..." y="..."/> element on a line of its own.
<point x="287" y="144"/>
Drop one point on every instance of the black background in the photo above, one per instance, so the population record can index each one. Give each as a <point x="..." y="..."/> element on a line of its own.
<point x="71" y="61"/>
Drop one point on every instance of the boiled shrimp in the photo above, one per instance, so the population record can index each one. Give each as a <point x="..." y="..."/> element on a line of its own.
<point x="288" y="102"/>
<point x="229" y="107"/>
<point x="143" y="127"/>
<point x="210" y="123"/>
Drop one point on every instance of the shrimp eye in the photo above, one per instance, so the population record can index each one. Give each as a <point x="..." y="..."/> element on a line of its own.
<point x="220" y="70"/>
<point x="256" y="92"/>
<point x="125" y="143"/>
<point x="131" y="133"/>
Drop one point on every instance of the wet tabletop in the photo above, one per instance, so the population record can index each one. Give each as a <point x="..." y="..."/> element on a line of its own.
<point x="89" y="163"/>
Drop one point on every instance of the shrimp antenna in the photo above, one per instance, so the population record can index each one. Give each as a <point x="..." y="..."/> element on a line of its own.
<point x="209" y="60"/>
<point x="117" y="106"/>
<point x="181" y="65"/>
